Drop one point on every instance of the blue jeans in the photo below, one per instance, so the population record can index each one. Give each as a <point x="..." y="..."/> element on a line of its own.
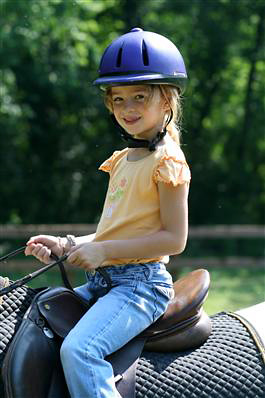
<point x="139" y="295"/>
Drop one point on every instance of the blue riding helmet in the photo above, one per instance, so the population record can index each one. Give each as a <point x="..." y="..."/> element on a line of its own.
<point x="141" y="57"/>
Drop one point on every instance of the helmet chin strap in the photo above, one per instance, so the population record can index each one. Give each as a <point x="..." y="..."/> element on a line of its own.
<point x="138" y="143"/>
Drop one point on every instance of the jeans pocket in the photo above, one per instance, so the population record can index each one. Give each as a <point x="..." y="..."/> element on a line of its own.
<point x="165" y="291"/>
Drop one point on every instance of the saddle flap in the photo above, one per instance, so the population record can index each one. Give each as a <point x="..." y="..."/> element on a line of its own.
<point x="62" y="308"/>
<point x="29" y="357"/>
<point x="124" y="363"/>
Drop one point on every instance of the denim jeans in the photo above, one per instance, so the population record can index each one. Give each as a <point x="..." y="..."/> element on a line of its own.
<point x="140" y="294"/>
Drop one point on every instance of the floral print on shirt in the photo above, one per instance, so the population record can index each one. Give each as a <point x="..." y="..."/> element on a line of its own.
<point x="116" y="192"/>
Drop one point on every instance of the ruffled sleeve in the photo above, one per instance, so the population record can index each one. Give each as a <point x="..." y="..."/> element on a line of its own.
<point x="170" y="170"/>
<point x="108" y="164"/>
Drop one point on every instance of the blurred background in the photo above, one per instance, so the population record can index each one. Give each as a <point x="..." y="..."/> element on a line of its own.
<point x="55" y="131"/>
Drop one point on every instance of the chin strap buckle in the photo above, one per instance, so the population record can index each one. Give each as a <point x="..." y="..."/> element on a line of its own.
<point x="135" y="143"/>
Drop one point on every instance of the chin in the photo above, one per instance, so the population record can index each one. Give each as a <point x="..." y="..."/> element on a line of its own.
<point x="133" y="134"/>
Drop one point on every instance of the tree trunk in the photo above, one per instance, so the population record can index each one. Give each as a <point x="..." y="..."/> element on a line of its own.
<point x="242" y="147"/>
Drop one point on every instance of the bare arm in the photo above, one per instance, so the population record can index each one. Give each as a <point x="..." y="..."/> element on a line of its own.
<point x="79" y="240"/>
<point x="41" y="246"/>
<point x="171" y="239"/>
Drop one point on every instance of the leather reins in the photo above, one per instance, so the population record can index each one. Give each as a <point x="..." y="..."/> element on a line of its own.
<point x="58" y="261"/>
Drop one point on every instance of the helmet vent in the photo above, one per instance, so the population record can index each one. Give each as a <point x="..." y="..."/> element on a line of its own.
<point x="118" y="62"/>
<point x="145" y="54"/>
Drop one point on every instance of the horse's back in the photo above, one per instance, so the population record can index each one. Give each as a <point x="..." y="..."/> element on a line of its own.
<point x="228" y="365"/>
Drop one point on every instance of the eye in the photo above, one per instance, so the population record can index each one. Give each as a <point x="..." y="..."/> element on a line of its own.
<point x="117" y="100"/>
<point x="140" y="97"/>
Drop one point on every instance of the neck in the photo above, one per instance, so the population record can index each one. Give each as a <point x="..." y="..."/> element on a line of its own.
<point x="139" y="143"/>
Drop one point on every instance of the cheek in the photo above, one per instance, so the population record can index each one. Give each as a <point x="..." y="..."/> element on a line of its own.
<point x="154" y="112"/>
<point x="115" y="110"/>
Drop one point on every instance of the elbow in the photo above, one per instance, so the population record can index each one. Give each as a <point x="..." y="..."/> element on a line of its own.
<point x="175" y="243"/>
<point x="179" y="246"/>
<point x="179" y="249"/>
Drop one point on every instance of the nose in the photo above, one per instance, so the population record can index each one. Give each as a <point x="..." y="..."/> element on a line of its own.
<point x="128" y="104"/>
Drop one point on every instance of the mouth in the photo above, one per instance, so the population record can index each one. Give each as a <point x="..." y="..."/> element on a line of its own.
<point x="131" y="120"/>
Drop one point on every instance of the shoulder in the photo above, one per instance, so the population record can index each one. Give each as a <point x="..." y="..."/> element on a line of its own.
<point x="109" y="163"/>
<point x="171" y="150"/>
<point x="171" y="166"/>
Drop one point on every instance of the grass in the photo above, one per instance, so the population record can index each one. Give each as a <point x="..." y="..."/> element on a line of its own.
<point x="230" y="290"/>
<point x="233" y="289"/>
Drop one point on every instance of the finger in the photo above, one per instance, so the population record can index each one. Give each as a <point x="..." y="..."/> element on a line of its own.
<point x="34" y="239"/>
<point x="44" y="253"/>
<point x="41" y="252"/>
<point x="30" y="241"/>
<point x="36" y="247"/>
<point x="47" y="256"/>
<point x="73" y="259"/>
<point x="28" y="250"/>
<point x="73" y="256"/>
<point x="87" y="266"/>
<point x="82" y="264"/>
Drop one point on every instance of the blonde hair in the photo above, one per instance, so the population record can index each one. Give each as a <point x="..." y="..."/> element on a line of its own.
<point x="172" y="96"/>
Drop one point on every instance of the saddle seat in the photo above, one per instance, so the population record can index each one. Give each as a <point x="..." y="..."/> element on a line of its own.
<point x="184" y="325"/>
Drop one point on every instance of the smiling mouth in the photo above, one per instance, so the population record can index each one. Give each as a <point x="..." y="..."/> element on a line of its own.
<point x="131" y="120"/>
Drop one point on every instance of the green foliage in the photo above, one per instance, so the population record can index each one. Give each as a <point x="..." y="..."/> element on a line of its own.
<point x="55" y="130"/>
<point x="234" y="289"/>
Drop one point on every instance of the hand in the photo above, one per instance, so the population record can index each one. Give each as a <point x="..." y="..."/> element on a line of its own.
<point x="41" y="247"/>
<point x="87" y="255"/>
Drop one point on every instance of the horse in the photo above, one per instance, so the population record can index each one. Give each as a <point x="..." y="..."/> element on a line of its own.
<point x="184" y="354"/>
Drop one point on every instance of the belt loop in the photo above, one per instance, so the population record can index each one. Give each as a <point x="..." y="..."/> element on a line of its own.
<point x="106" y="278"/>
<point x="148" y="271"/>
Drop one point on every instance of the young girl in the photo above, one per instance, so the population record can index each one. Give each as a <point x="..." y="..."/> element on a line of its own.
<point x="145" y="216"/>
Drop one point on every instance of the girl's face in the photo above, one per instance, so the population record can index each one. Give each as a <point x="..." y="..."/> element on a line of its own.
<point x="140" y="110"/>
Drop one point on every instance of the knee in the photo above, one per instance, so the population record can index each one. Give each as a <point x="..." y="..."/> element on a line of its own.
<point x="74" y="350"/>
<point x="69" y="350"/>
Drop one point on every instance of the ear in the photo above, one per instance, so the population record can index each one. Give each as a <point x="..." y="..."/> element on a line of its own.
<point x="165" y="106"/>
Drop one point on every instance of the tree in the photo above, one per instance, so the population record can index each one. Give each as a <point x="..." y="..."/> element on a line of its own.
<point x="55" y="130"/>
